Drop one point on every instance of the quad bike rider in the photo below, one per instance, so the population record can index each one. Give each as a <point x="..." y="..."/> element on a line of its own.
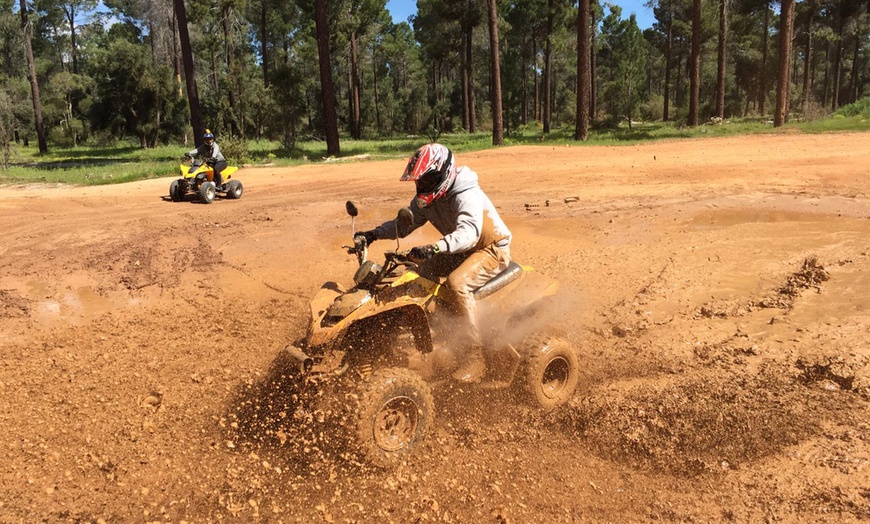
<point x="373" y="352"/>
<point x="475" y="246"/>
<point x="205" y="178"/>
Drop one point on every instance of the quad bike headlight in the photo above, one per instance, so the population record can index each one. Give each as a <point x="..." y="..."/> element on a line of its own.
<point x="367" y="274"/>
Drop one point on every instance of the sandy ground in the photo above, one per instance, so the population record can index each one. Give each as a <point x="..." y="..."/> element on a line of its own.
<point x="716" y="289"/>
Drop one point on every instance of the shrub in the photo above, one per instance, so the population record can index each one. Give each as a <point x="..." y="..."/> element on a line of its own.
<point x="235" y="150"/>
<point x="654" y="109"/>
<point x="859" y="108"/>
<point x="814" y="111"/>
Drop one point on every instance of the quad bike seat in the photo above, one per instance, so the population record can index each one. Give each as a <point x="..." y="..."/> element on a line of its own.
<point x="511" y="273"/>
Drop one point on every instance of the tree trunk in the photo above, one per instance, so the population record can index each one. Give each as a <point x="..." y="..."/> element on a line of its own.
<point x="679" y="94"/>
<point x="472" y="118"/>
<point x="333" y="148"/>
<point x="593" y="67"/>
<point x="464" y="60"/>
<point x="762" y="84"/>
<point x="669" y="47"/>
<point x="264" y="46"/>
<point x="808" y="55"/>
<point x="783" y="85"/>
<point x="34" y="83"/>
<point x="827" y="80"/>
<point x="548" y="68"/>
<point x="696" y="64"/>
<point x="853" y="81"/>
<point x="70" y="11"/>
<point x="189" y="72"/>
<point x="581" y="132"/>
<point x="176" y="55"/>
<point x="837" y="65"/>
<point x="495" y="68"/>
<point x="228" y="52"/>
<point x="525" y="83"/>
<point x="151" y="40"/>
<point x="355" y="88"/>
<point x="537" y="109"/>
<point x="375" y="89"/>
<point x="723" y="41"/>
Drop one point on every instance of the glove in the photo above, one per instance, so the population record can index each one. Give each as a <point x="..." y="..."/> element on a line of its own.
<point x="187" y="155"/>
<point x="365" y="237"/>
<point x="421" y="254"/>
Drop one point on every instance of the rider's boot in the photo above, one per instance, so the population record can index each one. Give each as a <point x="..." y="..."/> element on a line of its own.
<point x="474" y="367"/>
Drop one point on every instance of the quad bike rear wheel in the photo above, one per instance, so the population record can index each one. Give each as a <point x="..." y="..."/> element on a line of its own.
<point x="234" y="189"/>
<point x="207" y="192"/>
<point x="394" y="414"/>
<point x="552" y="372"/>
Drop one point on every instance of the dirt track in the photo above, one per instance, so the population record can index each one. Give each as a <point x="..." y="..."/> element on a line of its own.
<point x="724" y="379"/>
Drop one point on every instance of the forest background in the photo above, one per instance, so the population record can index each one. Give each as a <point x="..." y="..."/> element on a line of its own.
<point x="111" y="91"/>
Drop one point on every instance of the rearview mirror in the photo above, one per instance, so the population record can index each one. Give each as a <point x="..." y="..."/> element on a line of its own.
<point x="351" y="208"/>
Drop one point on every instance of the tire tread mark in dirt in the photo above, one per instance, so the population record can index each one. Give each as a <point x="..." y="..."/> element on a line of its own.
<point x="261" y="281"/>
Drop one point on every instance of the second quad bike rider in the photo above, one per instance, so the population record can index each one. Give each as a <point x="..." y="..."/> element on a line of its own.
<point x="475" y="246"/>
<point x="211" y="153"/>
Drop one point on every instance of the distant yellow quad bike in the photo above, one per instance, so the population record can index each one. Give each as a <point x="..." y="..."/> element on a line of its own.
<point x="198" y="178"/>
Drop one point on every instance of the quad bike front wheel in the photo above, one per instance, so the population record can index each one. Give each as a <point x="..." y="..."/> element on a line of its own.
<point x="394" y="414"/>
<point x="234" y="189"/>
<point x="177" y="189"/>
<point x="207" y="192"/>
<point x="552" y="372"/>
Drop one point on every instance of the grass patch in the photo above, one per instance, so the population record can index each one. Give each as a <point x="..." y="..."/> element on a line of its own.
<point x="95" y="165"/>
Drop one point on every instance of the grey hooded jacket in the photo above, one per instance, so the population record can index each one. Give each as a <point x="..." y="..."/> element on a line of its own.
<point x="208" y="151"/>
<point x="464" y="215"/>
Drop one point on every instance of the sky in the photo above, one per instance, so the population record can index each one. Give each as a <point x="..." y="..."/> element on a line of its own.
<point x="402" y="9"/>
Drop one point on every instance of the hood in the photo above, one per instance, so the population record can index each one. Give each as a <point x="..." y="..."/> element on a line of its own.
<point x="465" y="179"/>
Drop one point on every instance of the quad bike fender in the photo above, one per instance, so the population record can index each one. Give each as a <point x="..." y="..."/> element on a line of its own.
<point x="325" y="296"/>
<point x="546" y="286"/>
<point x="524" y="293"/>
<point x="332" y="335"/>
<point x="188" y="174"/>
<point x="229" y="171"/>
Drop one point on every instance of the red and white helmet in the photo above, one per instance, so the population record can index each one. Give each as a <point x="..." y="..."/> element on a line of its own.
<point x="433" y="171"/>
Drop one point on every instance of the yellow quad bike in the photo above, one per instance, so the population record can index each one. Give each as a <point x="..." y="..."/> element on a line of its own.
<point x="197" y="178"/>
<point x="383" y="344"/>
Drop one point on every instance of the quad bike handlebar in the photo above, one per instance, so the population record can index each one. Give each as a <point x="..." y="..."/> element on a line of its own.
<point x="374" y="274"/>
<point x="208" y="161"/>
<point x="371" y="275"/>
<point x="399" y="258"/>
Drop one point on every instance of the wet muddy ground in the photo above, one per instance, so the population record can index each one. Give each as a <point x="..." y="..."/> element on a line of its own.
<point x="717" y="291"/>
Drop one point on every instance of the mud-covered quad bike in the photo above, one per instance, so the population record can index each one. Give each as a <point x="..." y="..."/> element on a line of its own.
<point x="386" y="341"/>
<point x="198" y="179"/>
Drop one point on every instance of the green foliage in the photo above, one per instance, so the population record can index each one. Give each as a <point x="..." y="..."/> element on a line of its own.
<point x="133" y="97"/>
<point x="8" y="126"/>
<point x="235" y="149"/>
<point x="257" y="69"/>
<point x="860" y="108"/>
<point x="628" y="55"/>
<point x="126" y="161"/>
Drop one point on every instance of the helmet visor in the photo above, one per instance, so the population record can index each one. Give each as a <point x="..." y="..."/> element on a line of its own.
<point x="428" y="183"/>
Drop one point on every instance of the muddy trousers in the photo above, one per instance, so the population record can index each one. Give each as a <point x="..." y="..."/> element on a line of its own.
<point x="465" y="273"/>
<point x="219" y="166"/>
